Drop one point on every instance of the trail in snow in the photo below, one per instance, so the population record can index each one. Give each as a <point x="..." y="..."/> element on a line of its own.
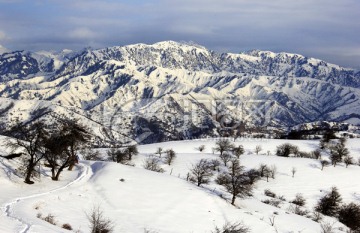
<point x="85" y="173"/>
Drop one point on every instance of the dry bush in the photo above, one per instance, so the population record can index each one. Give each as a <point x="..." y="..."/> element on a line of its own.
<point x="232" y="228"/>
<point x="67" y="226"/>
<point x="153" y="164"/>
<point x="98" y="222"/>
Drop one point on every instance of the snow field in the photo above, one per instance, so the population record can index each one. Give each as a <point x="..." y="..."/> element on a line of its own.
<point x="168" y="203"/>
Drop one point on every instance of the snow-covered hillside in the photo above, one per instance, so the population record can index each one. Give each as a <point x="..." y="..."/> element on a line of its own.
<point x="136" y="199"/>
<point x="179" y="89"/>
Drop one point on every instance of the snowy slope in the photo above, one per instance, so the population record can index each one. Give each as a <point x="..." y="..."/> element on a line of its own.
<point x="165" y="202"/>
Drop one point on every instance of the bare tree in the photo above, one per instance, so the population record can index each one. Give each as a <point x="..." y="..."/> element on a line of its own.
<point x="235" y="181"/>
<point x="348" y="160"/>
<point x="159" y="151"/>
<point x="76" y="136"/>
<point x="324" y="163"/>
<point x="62" y="145"/>
<point x="215" y="164"/>
<point x="29" y="138"/>
<point x="267" y="173"/>
<point x="316" y="154"/>
<point x="119" y="156"/>
<point x="238" y="151"/>
<point x="273" y="171"/>
<point x="262" y="169"/>
<point x="98" y="222"/>
<point x="293" y="171"/>
<point x="223" y="145"/>
<point x="225" y="157"/>
<point x="131" y="151"/>
<point x="170" y="156"/>
<point x="201" y="172"/>
<point x="254" y="175"/>
<point x="258" y="148"/>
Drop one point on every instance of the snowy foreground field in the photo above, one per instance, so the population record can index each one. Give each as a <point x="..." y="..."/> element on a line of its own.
<point x="166" y="202"/>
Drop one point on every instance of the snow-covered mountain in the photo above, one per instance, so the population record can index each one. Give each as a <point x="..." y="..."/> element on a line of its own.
<point x="172" y="90"/>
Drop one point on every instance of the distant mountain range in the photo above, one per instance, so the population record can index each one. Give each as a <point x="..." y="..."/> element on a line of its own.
<point x="170" y="90"/>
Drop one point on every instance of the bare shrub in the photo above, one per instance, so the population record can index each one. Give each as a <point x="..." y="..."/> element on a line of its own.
<point x="299" y="200"/>
<point x="232" y="228"/>
<point x="258" y="148"/>
<point x="153" y="164"/>
<point x="201" y="148"/>
<point x="296" y="209"/>
<point x="273" y="202"/>
<point x="50" y="219"/>
<point x="327" y="227"/>
<point x="170" y="156"/>
<point x="316" y="216"/>
<point x="269" y="193"/>
<point x="98" y="222"/>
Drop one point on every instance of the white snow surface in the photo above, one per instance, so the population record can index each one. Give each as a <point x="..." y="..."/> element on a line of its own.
<point x="166" y="202"/>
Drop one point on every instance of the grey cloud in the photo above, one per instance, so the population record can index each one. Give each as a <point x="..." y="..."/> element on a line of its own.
<point x="326" y="29"/>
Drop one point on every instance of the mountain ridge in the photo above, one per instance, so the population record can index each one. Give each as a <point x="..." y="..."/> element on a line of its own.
<point x="261" y="88"/>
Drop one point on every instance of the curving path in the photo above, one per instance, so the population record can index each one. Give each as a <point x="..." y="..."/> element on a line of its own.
<point x="84" y="175"/>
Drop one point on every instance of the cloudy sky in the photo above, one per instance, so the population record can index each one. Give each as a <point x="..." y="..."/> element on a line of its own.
<point x="325" y="29"/>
